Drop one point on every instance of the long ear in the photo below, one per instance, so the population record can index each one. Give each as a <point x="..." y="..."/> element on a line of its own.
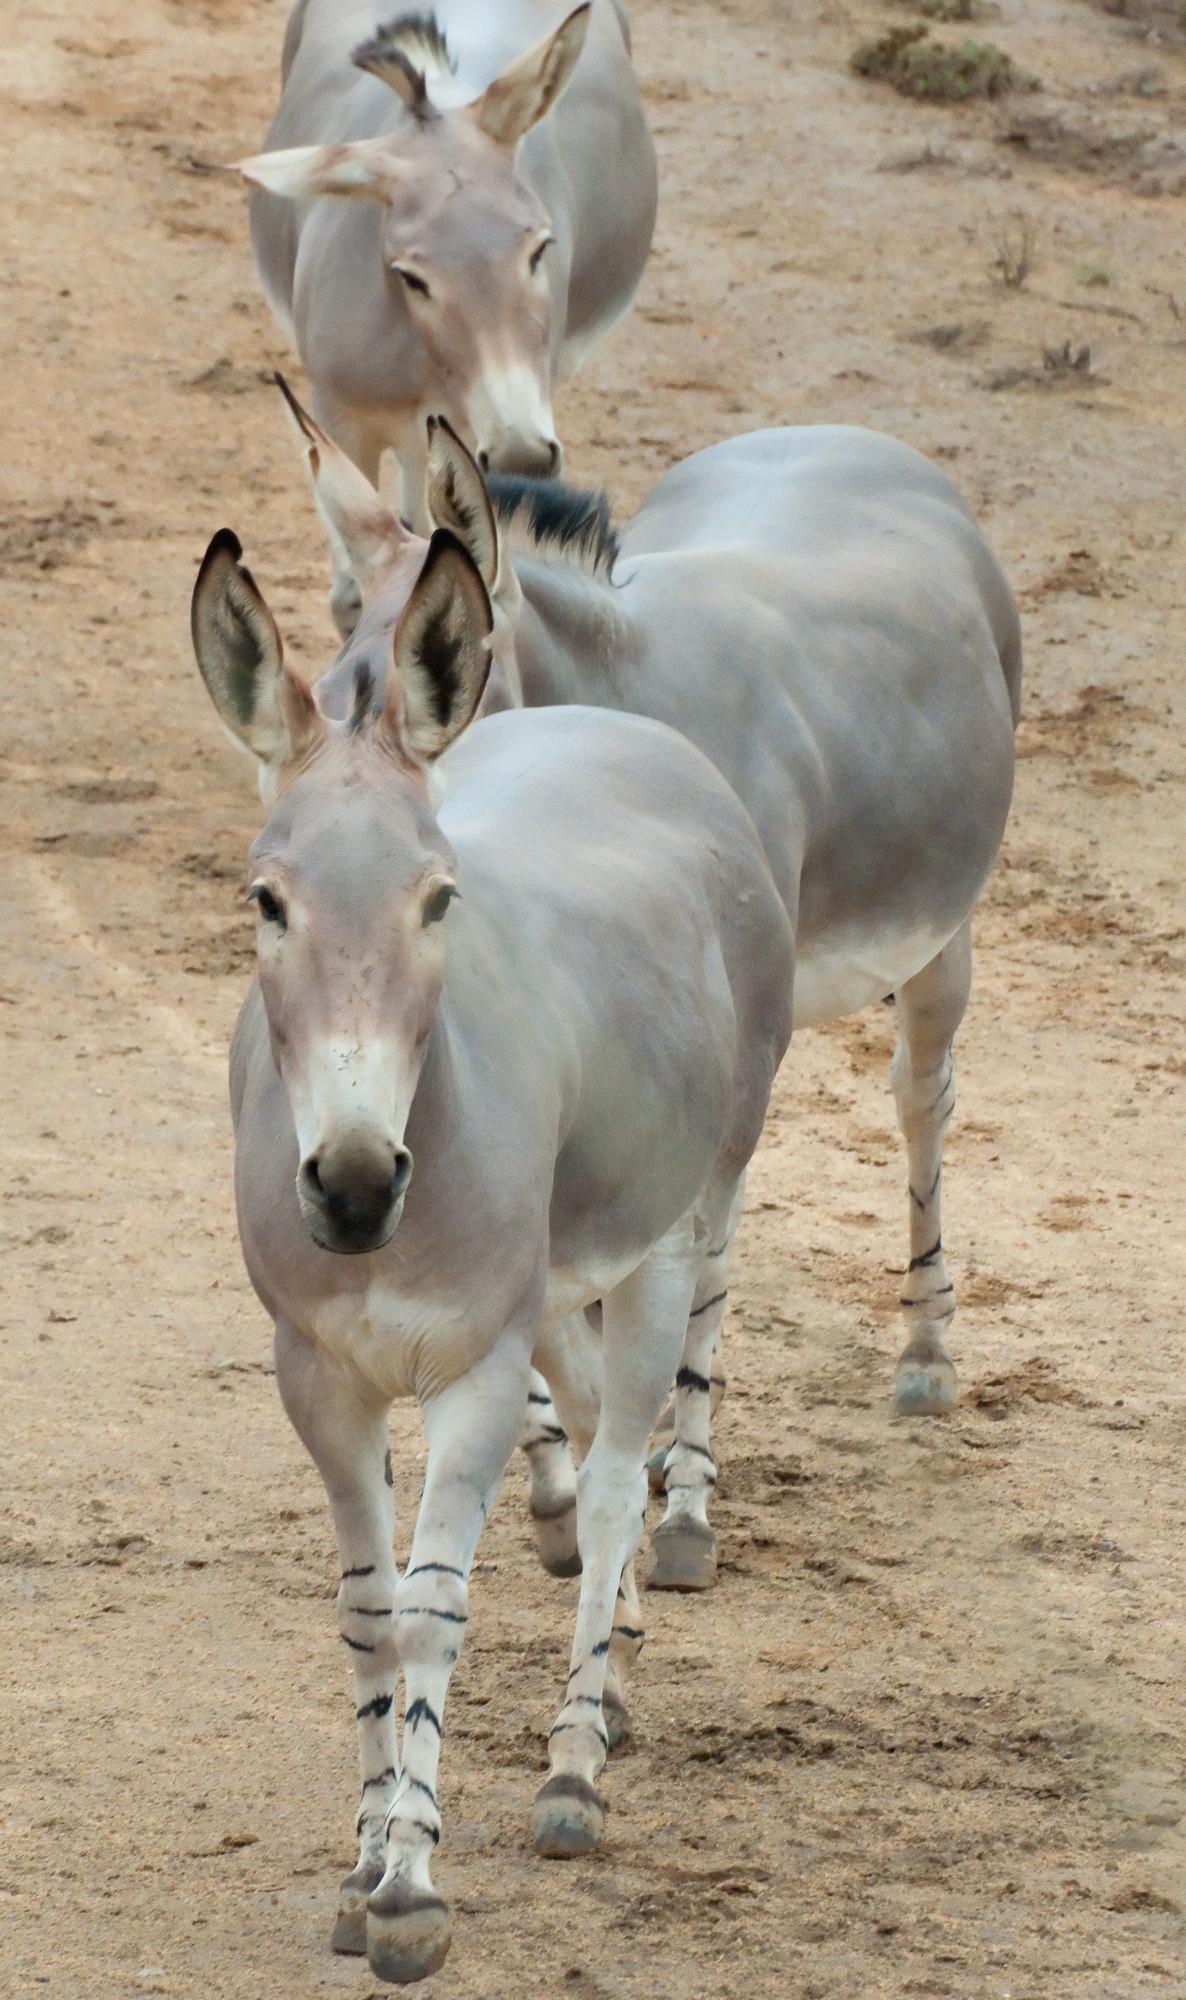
<point x="368" y="534"/>
<point x="365" y="168"/>
<point x="263" y="707"/>
<point x="441" y="653"/>
<point x="525" y="92"/>
<point x="457" y="499"/>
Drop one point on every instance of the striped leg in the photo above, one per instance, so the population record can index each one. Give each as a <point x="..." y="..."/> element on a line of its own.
<point x="930" y="1008"/>
<point x="471" y="1427"/>
<point x="714" y="1278"/>
<point x="683" y="1546"/>
<point x="573" y="1355"/>
<point x="644" y="1321"/>
<point x="553" y="1482"/>
<point x="346" y="1436"/>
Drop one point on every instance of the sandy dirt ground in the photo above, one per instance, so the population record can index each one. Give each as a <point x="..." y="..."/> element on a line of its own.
<point x="927" y="1735"/>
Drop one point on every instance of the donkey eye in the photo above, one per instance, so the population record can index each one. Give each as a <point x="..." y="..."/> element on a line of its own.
<point x="412" y="279"/>
<point x="537" y="253"/>
<point x="271" y="909"/>
<point x="439" y="902"/>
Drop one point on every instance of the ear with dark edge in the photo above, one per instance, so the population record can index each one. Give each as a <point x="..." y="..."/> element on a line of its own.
<point x="441" y="652"/>
<point x="241" y="659"/>
<point x="526" y="92"/>
<point x="457" y="498"/>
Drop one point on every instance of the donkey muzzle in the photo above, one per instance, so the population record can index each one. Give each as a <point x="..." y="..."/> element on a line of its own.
<point x="526" y="457"/>
<point x="352" y="1193"/>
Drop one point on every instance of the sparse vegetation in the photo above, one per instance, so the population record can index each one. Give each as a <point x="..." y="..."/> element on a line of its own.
<point x="1165" y="19"/>
<point x="940" y="72"/>
<point x="1094" y="274"/>
<point x="955" y="10"/>
<point x="926" y="159"/>
<point x="1060" y="366"/>
<point x="953" y="337"/>
<point x="1016" y="242"/>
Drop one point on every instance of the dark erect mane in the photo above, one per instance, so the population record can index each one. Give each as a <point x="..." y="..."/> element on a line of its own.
<point x="545" y="517"/>
<point x="413" y="43"/>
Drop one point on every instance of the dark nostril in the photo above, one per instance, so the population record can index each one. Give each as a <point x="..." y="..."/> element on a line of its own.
<point x="484" y="461"/>
<point x="312" y="1178"/>
<point x="401" y="1174"/>
<point x="555" y="457"/>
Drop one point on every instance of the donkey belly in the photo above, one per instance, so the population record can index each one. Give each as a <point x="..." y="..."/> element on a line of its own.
<point x="841" y="975"/>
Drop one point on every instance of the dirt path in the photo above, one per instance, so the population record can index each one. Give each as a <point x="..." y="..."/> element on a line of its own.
<point x="927" y="1737"/>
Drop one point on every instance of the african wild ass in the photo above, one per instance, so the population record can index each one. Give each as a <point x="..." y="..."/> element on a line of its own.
<point x="818" y="612"/>
<point x="504" y="197"/>
<point x="564" y="996"/>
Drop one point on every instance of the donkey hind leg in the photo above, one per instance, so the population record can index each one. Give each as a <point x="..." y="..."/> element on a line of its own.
<point x="930" y="1008"/>
<point x="553" y="1482"/>
<point x="346" y="1436"/>
<point x="643" y="1324"/>
<point x="683" y="1546"/>
<point x="471" y="1428"/>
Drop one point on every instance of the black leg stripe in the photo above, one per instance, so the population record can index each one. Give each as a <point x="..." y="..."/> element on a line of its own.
<point x="382" y="1705"/>
<point x="688" y="1379"/>
<point x="427" y="1611"/>
<point x="446" y="1569"/>
<point x="355" y="1645"/>
<point x="365" y="1569"/>
<point x="421" y="1712"/>
<point x="601" y="1647"/>
<point x="382" y="1778"/>
<point x="928" y="1256"/>
<point x="629" y="1631"/>
<point x="719" y="1299"/>
<point x="369" y="1610"/>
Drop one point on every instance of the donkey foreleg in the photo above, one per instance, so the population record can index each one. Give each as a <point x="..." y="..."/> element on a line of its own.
<point x="471" y="1427"/>
<point x="346" y="1436"/>
<point x="930" y="1008"/>
<point x="643" y="1325"/>
<point x="571" y="1351"/>
<point x="553" y="1482"/>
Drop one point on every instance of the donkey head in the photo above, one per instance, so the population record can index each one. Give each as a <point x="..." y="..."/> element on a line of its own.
<point x="352" y="876"/>
<point x="465" y="241"/>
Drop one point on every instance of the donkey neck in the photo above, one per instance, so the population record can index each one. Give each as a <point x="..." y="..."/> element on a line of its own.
<point x="578" y="639"/>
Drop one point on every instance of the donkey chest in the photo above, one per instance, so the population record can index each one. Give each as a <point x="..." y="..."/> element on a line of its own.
<point x="402" y="1346"/>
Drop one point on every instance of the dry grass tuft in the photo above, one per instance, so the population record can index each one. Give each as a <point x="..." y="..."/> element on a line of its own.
<point x="940" y="72"/>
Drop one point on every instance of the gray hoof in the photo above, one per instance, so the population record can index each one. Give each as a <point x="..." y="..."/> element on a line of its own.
<point x="925" y="1389"/>
<point x="350" y="1924"/>
<point x="408" y="1934"/>
<point x="556" y="1539"/>
<point x="683" y="1556"/>
<point x="568" y="1818"/>
<point x="616" y="1717"/>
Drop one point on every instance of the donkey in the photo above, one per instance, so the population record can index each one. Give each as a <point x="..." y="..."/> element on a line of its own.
<point x="499" y="206"/>
<point x="818" y="612"/>
<point x="502" y="1058"/>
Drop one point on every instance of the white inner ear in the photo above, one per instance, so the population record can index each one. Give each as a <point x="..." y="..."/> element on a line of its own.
<point x="301" y="173"/>
<point x="526" y="92"/>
